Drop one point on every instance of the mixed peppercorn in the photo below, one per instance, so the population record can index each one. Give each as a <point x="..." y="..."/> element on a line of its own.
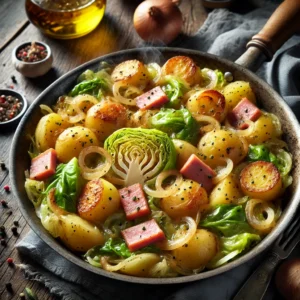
<point x="10" y="107"/>
<point x="32" y="53"/>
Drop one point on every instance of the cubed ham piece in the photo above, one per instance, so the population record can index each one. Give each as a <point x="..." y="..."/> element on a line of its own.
<point x="142" y="235"/>
<point x="245" y="110"/>
<point x="195" y="169"/>
<point x="134" y="202"/>
<point x="44" y="165"/>
<point x="154" y="98"/>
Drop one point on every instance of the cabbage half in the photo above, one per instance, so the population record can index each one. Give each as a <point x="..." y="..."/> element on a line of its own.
<point x="139" y="155"/>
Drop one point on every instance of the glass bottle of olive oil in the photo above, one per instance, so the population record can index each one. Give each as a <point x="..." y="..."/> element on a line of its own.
<point x="65" y="19"/>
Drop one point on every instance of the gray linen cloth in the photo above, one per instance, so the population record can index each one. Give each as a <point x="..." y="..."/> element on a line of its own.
<point x="225" y="34"/>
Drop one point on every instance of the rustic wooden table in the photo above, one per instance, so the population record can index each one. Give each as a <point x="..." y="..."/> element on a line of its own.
<point x="115" y="32"/>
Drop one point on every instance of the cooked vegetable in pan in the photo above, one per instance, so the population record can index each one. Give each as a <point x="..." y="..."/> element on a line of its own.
<point x="158" y="171"/>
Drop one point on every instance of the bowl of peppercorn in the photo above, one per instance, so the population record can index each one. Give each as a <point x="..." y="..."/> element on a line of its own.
<point x="12" y="107"/>
<point x="32" y="59"/>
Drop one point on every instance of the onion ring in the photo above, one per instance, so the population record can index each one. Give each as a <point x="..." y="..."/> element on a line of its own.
<point x="160" y="192"/>
<point x="242" y="132"/>
<point x="117" y="95"/>
<point x="224" y="172"/>
<point x="174" y="244"/>
<point x="262" y="225"/>
<point x="99" y="171"/>
<point x="46" y="109"/>
<point x="213" y="123"/>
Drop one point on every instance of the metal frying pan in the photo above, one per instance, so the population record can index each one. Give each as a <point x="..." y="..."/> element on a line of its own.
<point x="279" y="28"/>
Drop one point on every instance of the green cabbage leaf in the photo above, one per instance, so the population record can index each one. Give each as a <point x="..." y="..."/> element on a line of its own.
<point x="227" y="220"/>
<point x="178" y="124"/>
<point x="174" y="89"/>
<point x="231" y="247"/>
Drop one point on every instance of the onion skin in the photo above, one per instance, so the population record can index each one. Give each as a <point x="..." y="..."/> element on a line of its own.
<point x="287" y="279"/>
<point x="158" y="21"/>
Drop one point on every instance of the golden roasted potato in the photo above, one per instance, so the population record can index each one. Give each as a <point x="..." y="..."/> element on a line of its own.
<point x="140" y="265"/>
<point x="132" y="72"/>
<point x="186" y="201"/>
<point x="218" y="144"/>
<point x="48" y="129"/>
<point x="184" y="68"/>
<point x="197" y="253"/>
<point x="140" y="118"/>
<point x="184" y="150"/>
<point x="265" y="128"/>
<point x="78" y="234"/>
<point x="209" y="103"/>
<point x="226" y="191"/>
<point x="72" y="140"/>
<point x="234" y="92"/>
<point x="99" y="199"/>
<point x="106" y="117"/>
<point x="261" y="180"/>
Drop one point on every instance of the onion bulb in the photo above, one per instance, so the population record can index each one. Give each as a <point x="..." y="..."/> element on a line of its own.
<point x="158" y="21"/>
<point x="288" y="279"/>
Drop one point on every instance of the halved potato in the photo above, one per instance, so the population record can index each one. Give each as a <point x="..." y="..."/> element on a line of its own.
<point x="209" y="103"/>
<point x="99" y="199"/>
<point x="186" y="201"/>
<point x="216" y="145"/>
<point x="197" y="253"/>
<point x="48" y="129"/>
<point x="72" y="140"/>
<point x="106" y="117"/>
<point x="140" y="265"/>
<point x="182" y="67"/>
<point x="132" y="72"/>
<point x="78" y="234"/>
<point x="261" y="180"/>
<point x="234" y="92"/>
<point x="225" y="192"/>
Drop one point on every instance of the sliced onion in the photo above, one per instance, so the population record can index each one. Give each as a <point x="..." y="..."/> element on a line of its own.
<point x="53" y="205"/>
<point x="157" y="69"/>
<point x="79" y="116"/>
<point x="275" y="144"/>
<point x="93" y="262"/>
<point x="117" y="95"/>
<point x="186" y="236"/>
<point x="263" y="225"/>
<point x="99" y="171"/>
<point x="115" y="180"/>
<point x="224" y="172"/>
<point x="212" y="76"/>
<point x="226" y="258"/>
<point x="160" y="192"/>
<point x="213" y="124"/>
<point x="84" y="98"/>
<point x="46" y="109"/>
<point x="242" y="132"/>
<point x="275" y="122"/>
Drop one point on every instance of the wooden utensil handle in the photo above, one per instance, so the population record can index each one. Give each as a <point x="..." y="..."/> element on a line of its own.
<point x="284" y="22"/>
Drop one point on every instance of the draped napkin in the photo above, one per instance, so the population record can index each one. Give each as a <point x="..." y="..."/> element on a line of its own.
<point x="225" y="34"/>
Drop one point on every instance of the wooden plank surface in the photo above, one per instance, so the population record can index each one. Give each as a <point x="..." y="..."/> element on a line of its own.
<point x="114" y="33"/>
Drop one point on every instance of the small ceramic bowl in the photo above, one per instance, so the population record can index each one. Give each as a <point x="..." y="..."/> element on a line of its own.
<point x="22" y="99"/>
<point x="32" y="69"/>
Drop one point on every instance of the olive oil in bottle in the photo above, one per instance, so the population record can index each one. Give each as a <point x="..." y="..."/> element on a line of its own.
<point x="65" y="19"/>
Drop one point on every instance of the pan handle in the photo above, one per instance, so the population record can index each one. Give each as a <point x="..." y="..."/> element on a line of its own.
<point x="283" y="23"/>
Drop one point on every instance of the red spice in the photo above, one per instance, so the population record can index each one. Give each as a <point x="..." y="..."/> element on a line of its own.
<point x="4" y="203"/>
<point x="10" y="261"/>
<point x="10" y="106"/>
<point x="7" y="188"/>
<point x="32" y="53"/>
